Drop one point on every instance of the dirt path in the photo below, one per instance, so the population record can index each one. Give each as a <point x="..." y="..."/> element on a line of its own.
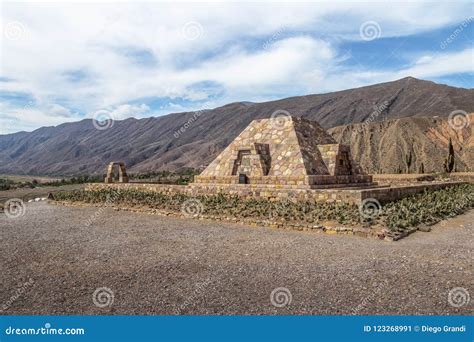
<point x="164" y="265"/>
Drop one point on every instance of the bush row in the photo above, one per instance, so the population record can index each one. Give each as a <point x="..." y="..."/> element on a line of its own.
<point x="428" y="207"/>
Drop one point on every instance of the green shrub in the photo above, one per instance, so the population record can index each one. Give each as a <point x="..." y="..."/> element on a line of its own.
<point x="428" y="207"/>
<point x="220" y="204"/>
<point x="5" y="184"/>
<point x="424" y="208"/>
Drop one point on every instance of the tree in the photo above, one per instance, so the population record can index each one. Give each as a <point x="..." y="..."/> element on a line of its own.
<point x="449" y="162"/>
<point x="408" y="160"/>
<point x="422" y="168"/>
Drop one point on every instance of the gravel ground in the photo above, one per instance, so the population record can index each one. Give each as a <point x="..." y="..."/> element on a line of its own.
<point x="54" y="258"/>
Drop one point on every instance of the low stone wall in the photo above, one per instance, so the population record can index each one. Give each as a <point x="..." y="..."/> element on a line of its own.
<point x="287" y="182"/>
<point x="339" y="181"/>
<point x="356" y="196"/>
<point x="393" y="193"/>
<point x="462" y="176"/>
<point x="414" y="178"/>
<point x="255" y="180"/>
<point x="242" y="190"/>
<point x="403" y="179"/>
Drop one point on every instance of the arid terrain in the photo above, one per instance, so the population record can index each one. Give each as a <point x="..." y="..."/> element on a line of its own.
<point x="164" y="265"/>
<point x="194" y="139"/>
<point x="383" y="147"/>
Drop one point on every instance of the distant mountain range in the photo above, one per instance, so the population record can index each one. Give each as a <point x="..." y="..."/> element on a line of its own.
<point x="398" y="117"/>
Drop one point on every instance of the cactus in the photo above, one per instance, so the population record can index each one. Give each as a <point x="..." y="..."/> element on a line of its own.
<point x="422" y="168"/>
<point x="449" y="161"/>
<point x="408" y="160"/>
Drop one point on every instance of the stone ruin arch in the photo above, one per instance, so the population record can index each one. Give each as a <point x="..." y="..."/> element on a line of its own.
<point x="123" y="177"/>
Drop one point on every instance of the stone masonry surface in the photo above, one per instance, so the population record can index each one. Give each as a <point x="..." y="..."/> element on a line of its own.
<point x="287" y="151"/>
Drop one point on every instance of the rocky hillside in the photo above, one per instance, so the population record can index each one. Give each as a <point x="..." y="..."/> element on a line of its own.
<point x="385" y="147"/>
<point x="193" y="139"/>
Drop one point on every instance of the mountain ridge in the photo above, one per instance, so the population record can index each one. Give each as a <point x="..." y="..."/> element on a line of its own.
<point x="153" y="143"/>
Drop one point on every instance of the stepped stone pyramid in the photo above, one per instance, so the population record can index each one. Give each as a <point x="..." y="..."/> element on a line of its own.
<point x="284" y="152"/>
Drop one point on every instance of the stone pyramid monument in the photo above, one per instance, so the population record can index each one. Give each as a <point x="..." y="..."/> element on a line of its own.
<point x="284" y="152"/>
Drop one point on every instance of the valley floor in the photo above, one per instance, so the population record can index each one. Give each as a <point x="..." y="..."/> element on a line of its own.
<point x="53" y="258"/>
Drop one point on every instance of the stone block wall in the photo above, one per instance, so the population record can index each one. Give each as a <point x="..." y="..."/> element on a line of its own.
<point x="251" y="160"/>
<point x="419" y="178"/>
<point x="340" y="180"/>
<point x="393" y="193"/>
<point x="462" y="176"/>
<point x="241" y="190"/>
<point x="355" y="196"/>
<point x="303" y="182"/>
<point x="403" y="179"/>
<point x="329" y="153"/>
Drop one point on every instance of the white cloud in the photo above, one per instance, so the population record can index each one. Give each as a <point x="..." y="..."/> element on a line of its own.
<point x="29" y="117"/>
<point x="123" y="111"/>
<point x="424" y="67"/>
<point x="61" y="111"/>
<point x="424" y="60"/>
<point x="442" y="64"/>
<point x="76" y="59"/>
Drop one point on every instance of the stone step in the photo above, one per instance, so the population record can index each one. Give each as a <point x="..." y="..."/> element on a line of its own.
<point x="349" y="186"/>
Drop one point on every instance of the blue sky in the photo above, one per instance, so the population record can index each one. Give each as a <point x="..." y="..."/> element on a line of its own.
<point x="64" y="62"/>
